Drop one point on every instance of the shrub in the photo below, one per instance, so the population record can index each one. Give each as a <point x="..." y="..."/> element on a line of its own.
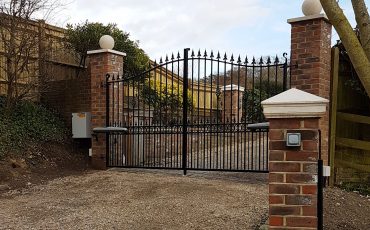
<point x="29" y="123"/>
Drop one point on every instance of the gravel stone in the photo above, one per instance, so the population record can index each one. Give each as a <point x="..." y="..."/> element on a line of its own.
<point x="139" y="199"/>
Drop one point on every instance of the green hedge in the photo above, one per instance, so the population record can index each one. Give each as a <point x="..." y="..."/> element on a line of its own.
<point x="29" y="123"/>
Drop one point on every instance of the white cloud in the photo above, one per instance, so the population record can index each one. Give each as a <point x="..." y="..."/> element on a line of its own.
<point x="167" y="25"/>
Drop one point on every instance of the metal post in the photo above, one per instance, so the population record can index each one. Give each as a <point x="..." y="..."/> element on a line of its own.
<point x="106" y="85"/>
<point x="285" y="72"/>
<point x="320" y="183"/>
<point x="185" y="112"/>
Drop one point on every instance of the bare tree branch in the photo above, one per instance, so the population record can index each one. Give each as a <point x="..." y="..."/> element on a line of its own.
<point x="23" y="51"/>
<point x="363" y="24"/>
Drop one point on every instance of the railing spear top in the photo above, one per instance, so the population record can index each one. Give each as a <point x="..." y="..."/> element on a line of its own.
<point x="246" y="60"/>
<point x="239" y="60"/>
<point x="199" y="55"/>
<point x="172" y="57"/>
<point x="160" y="61"/>
<point x="218" y="55"/>
<point x="225" y="57"/>
<point x="268" y="60"/>
<point x="253" y="61"/>
<point x="205" y="53"/>
<point x="212" y="56"/>
<point x="192" y="53"/>
<point x="232" y="58"/>
<point x="277" y="60"/>
<point x="261" y="61"/>
<point x="178" y="55"/>
<point x="166" y="60"/>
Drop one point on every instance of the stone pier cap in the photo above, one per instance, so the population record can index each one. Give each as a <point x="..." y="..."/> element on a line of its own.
<point x="294" y="103"/>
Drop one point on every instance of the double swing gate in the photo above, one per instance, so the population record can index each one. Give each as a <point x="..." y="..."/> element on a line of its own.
<point x="194" y="112"/>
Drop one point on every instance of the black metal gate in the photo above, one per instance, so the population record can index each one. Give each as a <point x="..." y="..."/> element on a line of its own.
<point x="193" y="113"/>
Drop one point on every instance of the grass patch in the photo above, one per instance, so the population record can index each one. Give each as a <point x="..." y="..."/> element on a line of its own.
<point x="29" y="123"/>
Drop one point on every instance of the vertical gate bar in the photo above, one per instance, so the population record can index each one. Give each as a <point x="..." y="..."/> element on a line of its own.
<point x="136" y="129"/>
<point x="231" y="121"/>
<point x="113" y="101"/>
<point x="260" y="93"/>
<point x="178" y="115"/>
<point x="276" y="63"/>
<point x="112" y="119"/>
<point x="119" y="119"/>
<point x="130" y="133"/>
<point x="253" y="82"/>
<point x="252" y="152"/>
<point x="238" y="118"/>
<point x="124" y="119"/>
<point x="137" y="124"/>
<point x="224" y="118"/>
<point x="107" y="118"/>
<point x="192" y="111"/>
<point x="166" y="126"/>
<point x="268" y="77"/>
<point x="285" y="72"/>
<point x="185" y="112"/>
<point x="173" y="123"/>
<point x="160" y="116"/>
<point x="267" y="151"/>
<point x="142" y="118"/>
<point x="198" y="109"/>
<point x="218" y="109"/>
<point x="253" y="110"/>
<point x="204" y="112"/>
<point x="211" y="123"/>
<point x="259" y="149"/>
<point x="290" y="76"/>
<point x="245" y="106"/>
<point x="153" y="122"/>
<point x="118" y="106"/>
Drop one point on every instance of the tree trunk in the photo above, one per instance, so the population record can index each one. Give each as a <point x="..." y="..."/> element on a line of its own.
<point x="350" y="41"/>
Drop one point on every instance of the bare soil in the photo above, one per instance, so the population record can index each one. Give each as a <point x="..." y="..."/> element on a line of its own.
<point x="346" y="210"/>
<point x="40" y="164"/>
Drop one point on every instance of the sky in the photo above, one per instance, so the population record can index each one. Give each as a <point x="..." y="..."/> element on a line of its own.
<point x="245" y="27"/>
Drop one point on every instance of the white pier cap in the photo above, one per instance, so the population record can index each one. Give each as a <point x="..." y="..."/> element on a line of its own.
<point x="232" y="87"/>
<point x="294" y="103"/>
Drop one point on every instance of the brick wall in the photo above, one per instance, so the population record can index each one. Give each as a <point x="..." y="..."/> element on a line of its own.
<point x="311" y="50"/>
<point x="69" y="95"/>
<point x="293" y="175"/>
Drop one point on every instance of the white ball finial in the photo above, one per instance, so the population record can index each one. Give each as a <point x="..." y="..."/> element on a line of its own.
<point x="311" y="7"/>
<point x="106" y="42"/>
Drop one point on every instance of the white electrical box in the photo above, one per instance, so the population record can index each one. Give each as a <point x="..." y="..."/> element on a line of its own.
<point x="326" y="171"/>
<point x="81" y="125"/>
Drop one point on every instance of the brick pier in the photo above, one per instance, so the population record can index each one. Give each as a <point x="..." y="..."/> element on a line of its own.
<point x="293" y="170"/>
<point x="311" y="50"/>
<point x="102" y="62"/>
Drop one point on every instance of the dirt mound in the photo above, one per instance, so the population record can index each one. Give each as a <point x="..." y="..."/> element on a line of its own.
<point x="40" y="163"/>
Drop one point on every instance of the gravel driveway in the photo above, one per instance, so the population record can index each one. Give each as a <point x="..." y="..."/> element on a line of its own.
<point x="139" y="199"/>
